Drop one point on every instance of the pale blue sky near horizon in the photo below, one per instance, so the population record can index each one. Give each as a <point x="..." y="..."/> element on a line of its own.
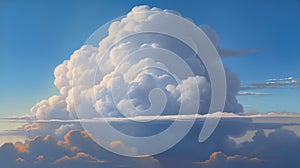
<point x="36" y="36"/>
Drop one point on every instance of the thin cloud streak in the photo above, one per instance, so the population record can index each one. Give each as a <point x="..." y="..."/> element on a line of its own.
<point x="252" y="94"/>
<point x="160" y="118"/>
<point x="271" y="83"/>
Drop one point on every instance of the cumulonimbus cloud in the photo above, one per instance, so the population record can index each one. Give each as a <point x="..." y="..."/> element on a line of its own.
<point x="79" y="83"/>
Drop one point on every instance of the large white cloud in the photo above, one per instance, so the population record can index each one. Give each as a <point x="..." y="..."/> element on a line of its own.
<point x="86" y="88"/>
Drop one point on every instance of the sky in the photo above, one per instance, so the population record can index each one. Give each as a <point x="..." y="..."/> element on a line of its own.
<point x="37" y="36"/>
<point x="43" y="42"/>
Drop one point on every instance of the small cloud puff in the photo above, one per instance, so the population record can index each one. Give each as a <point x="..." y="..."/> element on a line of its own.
<point x="219" y="159"/>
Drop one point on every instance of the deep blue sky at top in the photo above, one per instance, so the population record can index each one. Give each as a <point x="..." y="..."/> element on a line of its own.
<point x="36" y="36"/>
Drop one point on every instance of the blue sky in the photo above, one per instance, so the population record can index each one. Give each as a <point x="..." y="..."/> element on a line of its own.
<point x="36" y="36"/>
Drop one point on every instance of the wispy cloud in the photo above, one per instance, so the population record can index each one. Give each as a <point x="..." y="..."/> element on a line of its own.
<point x="272" y="83"/>
<point x="252" y="94"/>
<point x="158" y="118"/>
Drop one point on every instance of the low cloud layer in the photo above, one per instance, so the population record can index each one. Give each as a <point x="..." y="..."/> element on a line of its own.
<point x="263" y="149"/>
<point x="75" y="150"/>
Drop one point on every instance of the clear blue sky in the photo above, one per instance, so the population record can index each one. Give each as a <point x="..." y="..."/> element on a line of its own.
<point x="36" y="36"/>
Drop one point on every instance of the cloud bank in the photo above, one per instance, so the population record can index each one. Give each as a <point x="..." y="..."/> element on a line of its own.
<point x="75" y="150"/>
<point x="263" y="149"/>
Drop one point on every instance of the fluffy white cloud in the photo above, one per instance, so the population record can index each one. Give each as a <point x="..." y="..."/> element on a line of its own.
<point x="63" y="129"/>
<point x="86" y="81"/>
<point x="53" y="108"/>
